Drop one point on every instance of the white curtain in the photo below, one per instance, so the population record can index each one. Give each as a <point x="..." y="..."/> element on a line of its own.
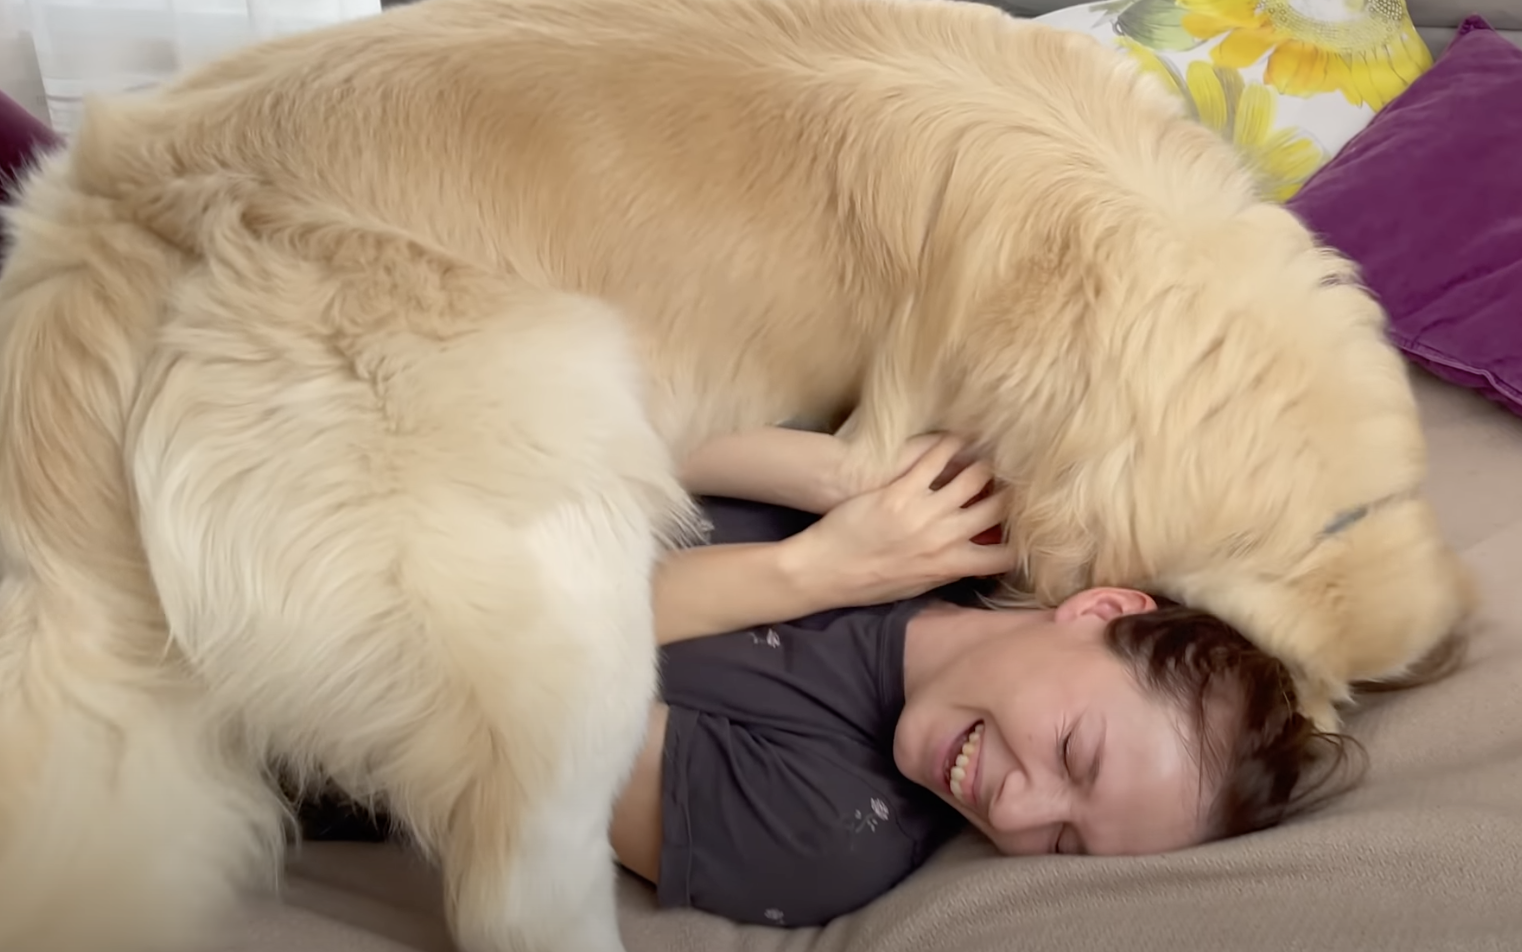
<point x="52" y="52"/>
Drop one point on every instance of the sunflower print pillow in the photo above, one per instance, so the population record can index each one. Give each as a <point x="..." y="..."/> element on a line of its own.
<point x="1288" y="82"/>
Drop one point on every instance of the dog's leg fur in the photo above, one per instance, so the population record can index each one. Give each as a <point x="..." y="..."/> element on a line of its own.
<point x="129" y="817"/>
<point x="434" y="583"/>
<point x="546" y="881"/>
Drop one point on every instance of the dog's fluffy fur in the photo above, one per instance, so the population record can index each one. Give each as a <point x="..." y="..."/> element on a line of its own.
<point x="341" y="383"/>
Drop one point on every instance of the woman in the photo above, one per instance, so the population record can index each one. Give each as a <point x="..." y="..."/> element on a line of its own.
<point x="796" y="770"/>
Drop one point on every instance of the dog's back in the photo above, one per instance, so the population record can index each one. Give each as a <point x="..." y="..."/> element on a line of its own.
<point x="675" y="158"/>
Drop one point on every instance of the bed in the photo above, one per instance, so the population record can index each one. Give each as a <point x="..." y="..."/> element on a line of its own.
<point x="1426" y="855"/>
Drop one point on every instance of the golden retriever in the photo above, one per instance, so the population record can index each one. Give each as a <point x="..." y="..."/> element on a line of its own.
<point x="342" y="381"/>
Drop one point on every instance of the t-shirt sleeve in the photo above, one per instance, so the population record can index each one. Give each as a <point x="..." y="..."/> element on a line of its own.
<point x="733" y="521"/>
<point x="767" y="827"/>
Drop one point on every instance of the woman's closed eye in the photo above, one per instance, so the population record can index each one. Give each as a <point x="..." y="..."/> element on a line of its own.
<point x="1067" y="841"/>
<point x="1090" y="774"/>
<point x="1061" y="846"/>
<point x="1065" y="758"/>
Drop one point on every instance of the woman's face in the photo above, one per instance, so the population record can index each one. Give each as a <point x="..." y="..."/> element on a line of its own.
<point x="1043" y="739"/>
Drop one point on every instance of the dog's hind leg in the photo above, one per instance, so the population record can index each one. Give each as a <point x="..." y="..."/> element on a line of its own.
<point x="409" y="540"/>
<point x="129" y="818"/>
<point x="525" y="846"/>
<point x="541" y="589"/>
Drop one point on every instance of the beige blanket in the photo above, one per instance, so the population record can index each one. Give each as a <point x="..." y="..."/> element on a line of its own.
<point x="1426" y="856"/>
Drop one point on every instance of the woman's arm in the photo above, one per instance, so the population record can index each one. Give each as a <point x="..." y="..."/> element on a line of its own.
<point x="712" y="589"/>
<point x="793" y="468"/>
<point x="896" y="542"/>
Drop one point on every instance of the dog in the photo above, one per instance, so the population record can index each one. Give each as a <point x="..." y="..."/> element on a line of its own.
<point x="344" y="381"/>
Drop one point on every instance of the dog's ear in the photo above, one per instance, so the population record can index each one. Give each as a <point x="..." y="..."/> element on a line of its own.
<point x="900" y="397"/>
<point x="911" y="373"/>
<point x="986" y="257"/>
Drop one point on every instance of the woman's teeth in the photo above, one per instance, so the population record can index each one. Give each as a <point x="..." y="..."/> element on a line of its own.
<point x="961" y="768"/>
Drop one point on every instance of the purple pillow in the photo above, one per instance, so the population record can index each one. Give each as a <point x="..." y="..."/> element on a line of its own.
<point x="1428" y="201"/>
<point x="22" y="139"/>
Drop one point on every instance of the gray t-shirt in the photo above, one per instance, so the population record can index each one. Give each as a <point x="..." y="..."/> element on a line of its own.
<point x="781" y="804"/>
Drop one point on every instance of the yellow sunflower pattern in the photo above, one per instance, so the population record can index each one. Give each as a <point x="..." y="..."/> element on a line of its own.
<point x="1243" y="114"/>
<point x="1287" y="82"/>
<point x="1367" y="50"/>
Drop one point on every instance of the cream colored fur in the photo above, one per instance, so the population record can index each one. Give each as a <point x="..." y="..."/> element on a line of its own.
<point x="342" y="381"/>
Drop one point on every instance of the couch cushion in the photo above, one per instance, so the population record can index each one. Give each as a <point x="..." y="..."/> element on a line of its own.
<point x="1287" y="88"/>
<point x="1435" y="19"/>
<point x="1426" y="200"/>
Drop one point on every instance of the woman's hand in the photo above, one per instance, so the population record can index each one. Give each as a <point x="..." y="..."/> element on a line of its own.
<point x="909" y="537"/>
<point x="844" y="481"/>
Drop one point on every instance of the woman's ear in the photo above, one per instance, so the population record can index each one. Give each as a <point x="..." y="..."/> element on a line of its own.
<point x="1105" y="604"/>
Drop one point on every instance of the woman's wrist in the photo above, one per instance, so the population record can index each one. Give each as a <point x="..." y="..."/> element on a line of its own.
<point x="799" y="469"/>
<point x="817" y="474"/>
<point x="819" y="578"/>
<point x="712" y="589"/>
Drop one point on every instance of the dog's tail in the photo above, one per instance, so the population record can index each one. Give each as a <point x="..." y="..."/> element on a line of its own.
<point x="122" y="821"/>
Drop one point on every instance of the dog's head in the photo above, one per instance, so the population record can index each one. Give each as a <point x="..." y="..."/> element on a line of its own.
<point x="1262" y="459"/>
<point x="1378" y="598"/>
<point x="1183" y="390"/>
<point x="1310" y="530"/>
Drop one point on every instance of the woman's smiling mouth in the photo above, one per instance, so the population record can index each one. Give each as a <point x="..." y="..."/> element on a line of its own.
<point x="961" y="769"/>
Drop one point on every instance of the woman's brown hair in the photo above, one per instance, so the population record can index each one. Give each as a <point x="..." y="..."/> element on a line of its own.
<point x="1275" y="764"/>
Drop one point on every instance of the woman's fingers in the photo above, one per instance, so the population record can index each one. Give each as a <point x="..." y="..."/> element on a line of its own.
<point x="968" y="483"/>
<point x="916" y="447"/>
<point x="935" y="459"/>
<point x="985" y="514"/>
<point x="985" y="560"/>
<point x="975" y="559"/>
